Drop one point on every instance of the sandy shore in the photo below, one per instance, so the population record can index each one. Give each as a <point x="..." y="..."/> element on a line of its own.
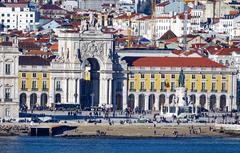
<point x="126" y="130"/>
<point x="144" y="130"/>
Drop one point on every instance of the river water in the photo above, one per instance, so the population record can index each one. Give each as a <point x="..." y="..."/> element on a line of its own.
<point x="91" y="145"/>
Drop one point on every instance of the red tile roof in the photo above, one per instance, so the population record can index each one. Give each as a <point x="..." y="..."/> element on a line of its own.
<point x="51" y="7"/>
<point x="172" y="62"/>
<point x="227" y="51"/>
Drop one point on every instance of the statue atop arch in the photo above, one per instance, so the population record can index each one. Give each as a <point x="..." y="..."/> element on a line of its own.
<point x="181" y="79"/>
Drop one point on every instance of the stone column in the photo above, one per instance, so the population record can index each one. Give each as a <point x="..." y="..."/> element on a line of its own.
<point x="109" y="91"/>
<point x="197" y="104"/>
<point x="103" y="91"/>
<point x="146" y="102"/>
<point x="136" y="100"/>
<point x="125" y="94"/>
<point x="217" y="102"/>
<point x="51" y="91"/>
<point x="156" y="104"/>
<point x="168" y="104"/>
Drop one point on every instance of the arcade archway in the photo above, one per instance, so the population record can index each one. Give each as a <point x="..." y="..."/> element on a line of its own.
<point x="90" y="83"/>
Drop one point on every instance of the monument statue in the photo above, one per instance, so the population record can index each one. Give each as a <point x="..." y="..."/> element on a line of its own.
<point x="93" y="20"/>
<point x="181" y="79"/>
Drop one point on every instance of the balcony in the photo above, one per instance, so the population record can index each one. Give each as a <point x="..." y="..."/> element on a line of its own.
<point x="163" y="90"/>
<point x="34" y="89"/>
<point x="58" y="89"/>
<point x="153" y="90"/>
<point x="7" y="100"/>
<point x="224" y="90"/>
<point x="132" y="90"/>
<point x="44" y="89"/>
<point x="214" y="90"/>
<point x="204" y="90"/>
<point x="24" y="89"/>
<point x="194" y="90"/>
<point x="142" y="90"/>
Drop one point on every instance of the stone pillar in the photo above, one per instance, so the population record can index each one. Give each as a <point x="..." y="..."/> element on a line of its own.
<point x="217" y="102"/>
<point x="125" y="94"/>
<point x="156" y="104"/>
<point x="109" y="91"/>
<point x="103" y="91"/>
<point x="146" y="102"/>
<point x="197" y="104"/>
<point x="51" y="92"/>
<point x="168" y="104"/>
<point x="136" y="100"/>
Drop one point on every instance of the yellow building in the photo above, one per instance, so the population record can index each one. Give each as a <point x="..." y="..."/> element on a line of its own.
<point x="33" y="82"/>
<point x="152" y="82"/>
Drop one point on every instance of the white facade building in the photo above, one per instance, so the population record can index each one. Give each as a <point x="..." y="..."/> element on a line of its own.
<point x="9" y="83"/>
<point x="17" y="18"/>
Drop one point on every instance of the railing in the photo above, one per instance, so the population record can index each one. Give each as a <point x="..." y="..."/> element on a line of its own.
<point x="173" y="90"/>
<point x="24" y="89"/>
<point x="153" y="90"/>
<point x="204" y="90"/>
<point x="34" y="89"/>
<point x="44" y="89"/>
<point x="132" y="90"/>
<point x="214" y="90"/>
<point x="58" y="89"/>
<point x="224" y="90"/>
<point x="143" y="90"/>
<point x="194" y="90"/>
<point x="163" y="90"/>
<point x="8" y="100"/>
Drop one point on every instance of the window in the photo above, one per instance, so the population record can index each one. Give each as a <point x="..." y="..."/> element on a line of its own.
<point x="203" y="86"/>
<point x="152" y="86"/>
<point x="8" y="20"/>
<point x="7" y="93"/>
<point x="173" y="76"/>
<point x="142" y="85"/>
<point x="2" y="15"/>
<point x="162" y="75"/>
<point x="34" y="84"/>
<point x="193" y="85"/>
<point x="24" y="75"/>
<point x="162" y="85"/>
<point x="24" y="84"/>
<point x="44" y="75"/>
<point x="34" y="75"/>
<point x="223" y="76"/>
<point x="31" y="15"/>
<point x="152" y="75"/>
<point x="31" y="21"/>
<point x="193" y="76"/>
<point x="7" y="112"/>
<point x="173" y="85"/>
<point x="131" y="85"/>
<point x="213" y="77"/>
<point x="58" y="84"/>
<point x="223" y="86"/>
<point x="142" y="75"/>
<point x="8" y="15"/>
<point x="131" y="75"/>
<point x="7" y="69"/>
<point x="44" y="84"/>
<point x="213" y="86"/>
<point x="203" y="76"/>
